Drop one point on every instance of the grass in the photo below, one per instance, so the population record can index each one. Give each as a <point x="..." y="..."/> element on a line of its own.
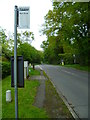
<point x="26" y="97"/>
<point x="53" y="104"/>
<point x="77" y="66"/>
<point x="33" y="72"/>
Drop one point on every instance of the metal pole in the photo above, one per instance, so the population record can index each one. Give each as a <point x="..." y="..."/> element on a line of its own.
<point x="15" y="62"/>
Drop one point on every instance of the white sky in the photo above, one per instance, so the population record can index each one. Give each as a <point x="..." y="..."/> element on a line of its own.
<point x="38" y="9"/>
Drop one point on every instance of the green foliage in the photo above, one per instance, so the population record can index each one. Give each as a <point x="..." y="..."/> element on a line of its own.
<point x="24" y="48"/>
<point x="66" y="28"/>
<point x="2" y="36"/>
<point x="28" y="34"/>
<point x="6" y="69"/>
<point x="29" y="53"/>
<point x="4" y="59"/>
<point x="6" y="53"/>
<point x="79" y="67"/>
<point x="67" y="58"/>
<point x="6" y="44"/>
<point x="33" y="72"/>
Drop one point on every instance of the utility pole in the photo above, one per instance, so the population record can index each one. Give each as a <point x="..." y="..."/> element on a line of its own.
<point x="15" y="62"/>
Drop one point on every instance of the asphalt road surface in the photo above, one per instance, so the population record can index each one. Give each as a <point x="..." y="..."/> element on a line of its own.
<point x="73" y="84"/>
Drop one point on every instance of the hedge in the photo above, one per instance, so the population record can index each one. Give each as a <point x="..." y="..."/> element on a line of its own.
<point x="6" y="69"/>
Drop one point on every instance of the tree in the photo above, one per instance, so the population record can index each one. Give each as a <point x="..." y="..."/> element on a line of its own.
<point x="23" y="41"/>
<point x="28" y="37"/>
<point x="66" y="28"/>
<point x="6" y="52"/>
<point x="29" y="53"/>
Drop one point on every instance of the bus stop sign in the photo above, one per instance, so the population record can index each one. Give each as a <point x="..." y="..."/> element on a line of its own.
<point x="24" y="17"/>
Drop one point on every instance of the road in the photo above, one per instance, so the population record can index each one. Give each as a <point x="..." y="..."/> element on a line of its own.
<point x="73" y="84"/>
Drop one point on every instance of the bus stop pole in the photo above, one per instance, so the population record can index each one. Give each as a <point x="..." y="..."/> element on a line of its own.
<point x="15" y="62"/>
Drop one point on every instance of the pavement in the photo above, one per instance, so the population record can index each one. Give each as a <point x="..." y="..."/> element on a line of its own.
<point x="40" y="97"/>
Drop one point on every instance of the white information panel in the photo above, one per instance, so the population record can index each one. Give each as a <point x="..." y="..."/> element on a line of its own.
<point x="24" y="17"/>
<point x="25" y="63"/>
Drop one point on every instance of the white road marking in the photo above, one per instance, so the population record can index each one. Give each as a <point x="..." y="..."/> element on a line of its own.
<point x="71" y="73"/>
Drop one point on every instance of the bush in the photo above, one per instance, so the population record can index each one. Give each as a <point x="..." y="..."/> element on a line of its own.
<point x="6" y="69"/>
<point x="4" y="59"/>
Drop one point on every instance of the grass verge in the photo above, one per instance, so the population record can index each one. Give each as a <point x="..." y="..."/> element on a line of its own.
<point x="53" y="104"/>
<point x="79" y="67"/>
<point x="26" y="97"/>
<point x="33" y="72"/>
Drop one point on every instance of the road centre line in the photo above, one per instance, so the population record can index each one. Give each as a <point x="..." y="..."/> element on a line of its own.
<point x="71" y="73"/>
<point x="68" y="72"/>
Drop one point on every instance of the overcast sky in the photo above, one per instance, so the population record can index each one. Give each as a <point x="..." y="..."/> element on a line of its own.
<point x="38" y="9"/>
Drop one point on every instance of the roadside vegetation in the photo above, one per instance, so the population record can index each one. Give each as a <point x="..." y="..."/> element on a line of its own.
<point x="67" y="29"/>
<point x="6" y="69"/>
<point x="78" y="67"/>
<point x="24" y="49"/>
<point x="33" y="72"/>
<point x="26" y="97"/>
